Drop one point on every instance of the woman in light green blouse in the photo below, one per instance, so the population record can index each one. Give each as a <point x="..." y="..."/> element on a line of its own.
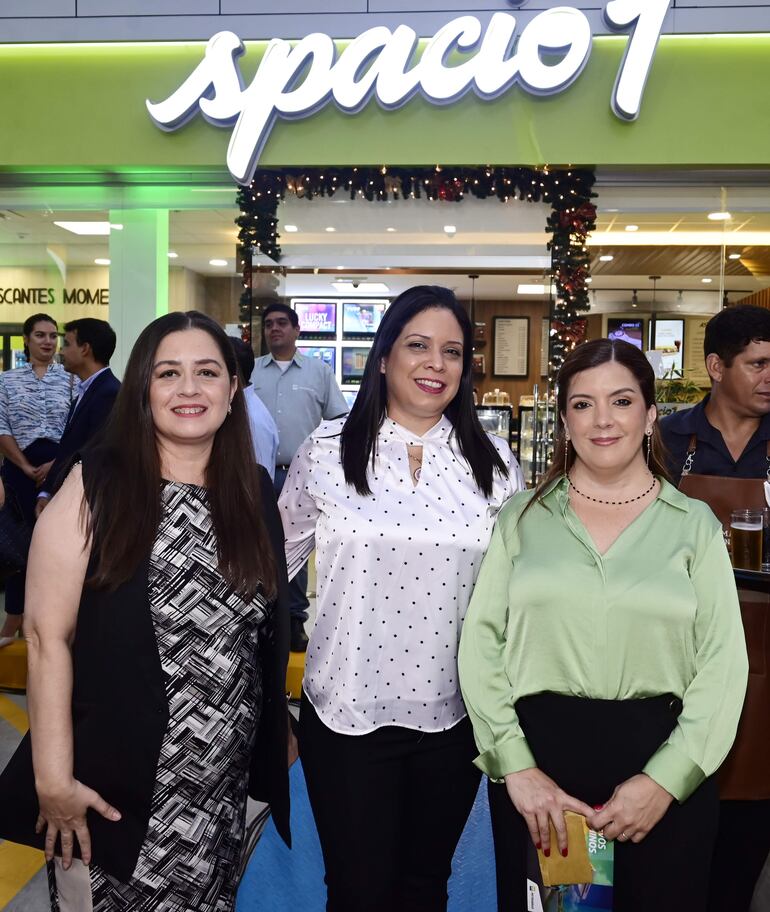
<point x="602" y="659"/>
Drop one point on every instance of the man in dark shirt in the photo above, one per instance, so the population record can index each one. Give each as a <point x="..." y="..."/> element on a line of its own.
<point x="732" y="429"/>
<point x="732" y="424"/>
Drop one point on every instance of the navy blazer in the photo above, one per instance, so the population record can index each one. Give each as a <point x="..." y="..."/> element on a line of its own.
<point x="82" y="424"/>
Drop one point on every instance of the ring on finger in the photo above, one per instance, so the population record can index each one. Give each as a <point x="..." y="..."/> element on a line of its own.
<point x="624" y="836"/>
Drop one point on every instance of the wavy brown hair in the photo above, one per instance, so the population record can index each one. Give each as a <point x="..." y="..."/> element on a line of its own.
<point x="583" y="358"/>
<point x="123" y="483"/>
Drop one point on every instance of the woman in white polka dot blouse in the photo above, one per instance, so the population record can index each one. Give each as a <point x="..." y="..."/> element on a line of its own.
<point x="399" y="500"/>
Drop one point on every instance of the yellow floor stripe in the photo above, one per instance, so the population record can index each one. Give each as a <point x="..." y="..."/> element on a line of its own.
<point x="13" y="714"/>
<point x="18" y="865"/>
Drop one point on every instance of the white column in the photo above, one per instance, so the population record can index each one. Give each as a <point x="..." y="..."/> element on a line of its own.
<point x="138" y="275"/>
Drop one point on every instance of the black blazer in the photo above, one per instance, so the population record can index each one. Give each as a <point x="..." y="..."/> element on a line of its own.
<point x="82" y="424"/>
<point x="120" y="713"/>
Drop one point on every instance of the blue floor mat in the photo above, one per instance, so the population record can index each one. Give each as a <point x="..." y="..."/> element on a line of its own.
<point x="277" y="879"/>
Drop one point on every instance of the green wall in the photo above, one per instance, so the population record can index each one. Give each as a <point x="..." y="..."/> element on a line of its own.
<point x="82" y="106"/>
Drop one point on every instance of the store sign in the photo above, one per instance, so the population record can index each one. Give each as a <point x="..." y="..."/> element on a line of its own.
<point x="296" y="81"/>
<point x="97" y="296"/>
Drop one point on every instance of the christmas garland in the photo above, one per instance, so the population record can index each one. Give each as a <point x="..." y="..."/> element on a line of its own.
<point x="569" y="193"/>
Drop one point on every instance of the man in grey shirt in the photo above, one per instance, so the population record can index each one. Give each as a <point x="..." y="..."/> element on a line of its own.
<point x="299" y="393"/>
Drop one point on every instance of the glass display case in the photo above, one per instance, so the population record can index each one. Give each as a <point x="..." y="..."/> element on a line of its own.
<point x="534" y="450"/>
<point x="497" y="420"/>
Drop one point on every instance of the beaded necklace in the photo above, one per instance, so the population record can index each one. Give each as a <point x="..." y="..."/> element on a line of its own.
<point x="612" y="503"/>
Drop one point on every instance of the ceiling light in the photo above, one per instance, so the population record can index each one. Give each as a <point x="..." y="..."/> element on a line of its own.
<point x="292" y="228"/>
<point x="634" y="299"/>
<point x="450" y="229"/>
<point x="679" y="299"/>
<point x="172" y="255"/>
<point x="115" y="227"/>
<point x="531" y="289"/>
<point x="707" y="281"/>
<point x="92" y="228"/>
<point x="102" y="261"/>
<point x="606" y="258"/>
<point x="735" y="256"/>
<point x="719" y="216"/>
<point x="346" y="287"/>
<point x="330" y="228"/>
<point x="217" y="262"/>
<point x="589" y="280"/>
<point x="390" y="229"/>
<point x="632" y="227"/>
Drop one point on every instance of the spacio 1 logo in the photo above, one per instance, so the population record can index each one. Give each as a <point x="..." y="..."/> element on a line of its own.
<point x="381" y="63"/>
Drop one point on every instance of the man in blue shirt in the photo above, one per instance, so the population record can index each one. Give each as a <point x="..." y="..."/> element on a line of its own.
<point x="731" y="431"/>
<point x="299" y="393"/>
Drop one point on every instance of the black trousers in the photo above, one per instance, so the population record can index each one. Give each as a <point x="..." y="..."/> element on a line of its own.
<point x="588" y="747"/>
<point x="38" y="452"/>
<point x="390" y="807"/>
<point x="742" y="845"/>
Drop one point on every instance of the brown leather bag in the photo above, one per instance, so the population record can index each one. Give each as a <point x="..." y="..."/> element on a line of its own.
<point x="745" y="774"/>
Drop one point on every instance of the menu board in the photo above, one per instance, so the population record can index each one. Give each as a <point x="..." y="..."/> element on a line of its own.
<point x="511" y="346"/>
<point x="694" y="359"/>
<point x="668" y="339"/>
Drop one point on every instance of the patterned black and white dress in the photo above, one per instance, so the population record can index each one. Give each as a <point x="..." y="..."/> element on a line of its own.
<point x="207" y="643"/>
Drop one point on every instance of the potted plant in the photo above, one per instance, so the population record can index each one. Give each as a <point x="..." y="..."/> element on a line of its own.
<point x="674" y="392"/>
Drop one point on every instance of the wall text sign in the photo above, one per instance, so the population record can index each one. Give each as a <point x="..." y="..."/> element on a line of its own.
<point x="295" y="81"/>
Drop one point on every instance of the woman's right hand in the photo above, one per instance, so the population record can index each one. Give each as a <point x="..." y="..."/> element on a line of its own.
<point x="64" y="814"/>
<point x="539" y="800"/>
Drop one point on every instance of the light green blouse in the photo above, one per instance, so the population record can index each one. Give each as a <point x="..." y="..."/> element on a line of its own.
<point x="657" y="613"/>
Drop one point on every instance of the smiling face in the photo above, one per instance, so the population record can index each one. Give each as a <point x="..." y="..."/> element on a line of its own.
<point x="746" y="383"/>
<point x="42" y="342"/>
<point x="190" y="389"/>
<point x="424" y="368"/>
<point x="606" y="417"/>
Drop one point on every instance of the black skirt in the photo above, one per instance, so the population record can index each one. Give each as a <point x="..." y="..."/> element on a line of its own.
<point x="589" y="747"/>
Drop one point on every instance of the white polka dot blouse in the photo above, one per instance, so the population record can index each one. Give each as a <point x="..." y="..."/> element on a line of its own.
<point x="395" y="574"/>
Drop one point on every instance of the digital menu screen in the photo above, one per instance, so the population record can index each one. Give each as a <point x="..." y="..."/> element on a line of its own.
<point x="353" y="363"/>
<point x="361" y="318"/>
<point x="668" y="339"/>
<point x="626" y="331"/>
<point x="323" y="353"/>
<point x="316" y="318"/>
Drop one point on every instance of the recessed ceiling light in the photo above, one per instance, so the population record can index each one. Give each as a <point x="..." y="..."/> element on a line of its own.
<point x="531" y="289"/>
<point x="707" y="281"/>
<point x="589" y="280"/>
<point x="735" y="256"/>
<point x="719" y="216"/>
<point x="102" y="261"/>
<point x="172" y="255"/>
<point x="606" y="258"/>
<point x="292" y="228"/>
<point x="93" y="228"/>
<point x="330" y="228"/>
<point x="632" y="227"/>
<point x="217" y="262"/>
<point x="390" y="229"/>
<point x="450" y="229"/>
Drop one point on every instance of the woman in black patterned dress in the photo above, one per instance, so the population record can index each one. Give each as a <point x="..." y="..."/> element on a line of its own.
<point x="157" y="661"/>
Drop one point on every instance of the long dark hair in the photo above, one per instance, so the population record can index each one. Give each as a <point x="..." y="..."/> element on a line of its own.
<point x="583" y="358"/>
<point x="123" y="489"/>
<point x="359" y="435"/>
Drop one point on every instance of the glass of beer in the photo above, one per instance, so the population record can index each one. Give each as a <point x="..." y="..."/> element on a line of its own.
<point x="746" y="537"/>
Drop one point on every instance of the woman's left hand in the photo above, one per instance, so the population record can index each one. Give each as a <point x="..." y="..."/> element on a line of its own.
<point x="633" y="810"/>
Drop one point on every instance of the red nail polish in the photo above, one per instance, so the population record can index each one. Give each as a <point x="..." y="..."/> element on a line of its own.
<point x="565" y="853"/>
<point x="598" y="807"/>
<point x="547" y="853"/>
<point x="538" y="845"/>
